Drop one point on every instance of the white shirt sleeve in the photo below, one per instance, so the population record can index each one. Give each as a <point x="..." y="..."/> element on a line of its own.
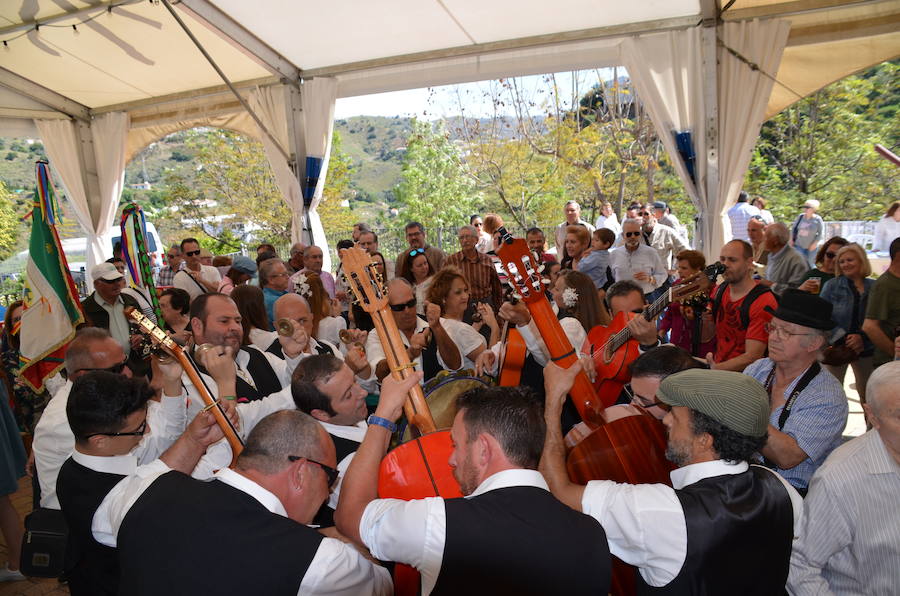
<point x="53" y="444"/>
<point x="411" y="532"/>
<point x="252" y="412"/>
<point x="535" y="343"/>
<point x="118" y="502"/>
<point x="339" y="569"/>
<point x="167" y="419"/>
<point x="644" y="526"/>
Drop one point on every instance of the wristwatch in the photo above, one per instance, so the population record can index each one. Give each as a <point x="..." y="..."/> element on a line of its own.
<point x="379" y="421"/>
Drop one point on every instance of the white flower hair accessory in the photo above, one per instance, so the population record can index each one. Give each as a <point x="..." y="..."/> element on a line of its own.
<point x="302" y="287"/>
<point x="570" y="297"/>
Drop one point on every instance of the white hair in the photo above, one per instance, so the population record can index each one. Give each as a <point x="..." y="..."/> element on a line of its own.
<point x="779" y="231"/>
<point x="884" y="380"/>
<point x="632" y="220"/>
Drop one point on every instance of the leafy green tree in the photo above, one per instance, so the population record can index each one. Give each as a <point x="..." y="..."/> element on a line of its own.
<point x="10" y="223"/>
<point x="338" y="188"/>
<point x="434" y="187"/>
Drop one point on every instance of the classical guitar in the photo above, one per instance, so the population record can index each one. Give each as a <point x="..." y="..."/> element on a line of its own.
<point x="420" y="467"/>
<point x="613" y="347"/>
<point x="161" y="339"/>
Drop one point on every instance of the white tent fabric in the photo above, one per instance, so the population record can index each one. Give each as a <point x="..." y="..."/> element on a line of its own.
<point x="317" y="97"/>
<point x="269" y="103"/>
<point x="109" y="132"/>
<point x="667" y="70"/>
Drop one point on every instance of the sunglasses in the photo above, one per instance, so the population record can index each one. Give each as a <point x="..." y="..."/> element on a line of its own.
<point x="403" y="306"/>
<point x="630" y="234"/>
<point x="135" y="433"/>
<point x="330" y="473"/>
<point x="115" y="369"/>
<point x="417" y="251"/>
<point x="830" y="255"/>
<point x="478" y="225"/>
<point x="644" y="213"/>
<point x="192" y="253"/>
<point x="173" y="256"/>
<point x="109" y="281"/>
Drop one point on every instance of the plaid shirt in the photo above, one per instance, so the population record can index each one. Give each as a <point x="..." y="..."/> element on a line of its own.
<point x="481" y="276"/>
<point x="166" y="276"/>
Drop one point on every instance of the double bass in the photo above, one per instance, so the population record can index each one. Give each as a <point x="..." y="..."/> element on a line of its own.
<point x="612" y="346"/>
<point x="630" y="449"/>
<point x="418" y="468"/>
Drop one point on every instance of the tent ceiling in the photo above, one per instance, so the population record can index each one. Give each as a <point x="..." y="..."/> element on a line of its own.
<point x="137" y="59"/>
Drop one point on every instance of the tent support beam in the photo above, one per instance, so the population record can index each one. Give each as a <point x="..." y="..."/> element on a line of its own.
<point x="786" y="9"/>
<point x="223" y="25"/>
<point x="708" y="51"/>
<point x="214" y="93"/>
<point x="39" y="93"/>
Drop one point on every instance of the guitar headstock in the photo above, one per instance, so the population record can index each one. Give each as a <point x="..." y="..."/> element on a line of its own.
<point x="157" y="336"/>
<point x="698" y="283"/>
<point x="523" y="271"/>
<point x="363" y="279"/>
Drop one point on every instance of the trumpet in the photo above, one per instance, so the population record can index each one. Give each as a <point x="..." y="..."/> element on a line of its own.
<point x="285" y="327"/>
<point x="347" y="340"/>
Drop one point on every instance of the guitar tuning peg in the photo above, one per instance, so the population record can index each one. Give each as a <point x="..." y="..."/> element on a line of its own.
<point x="541" y="269"/>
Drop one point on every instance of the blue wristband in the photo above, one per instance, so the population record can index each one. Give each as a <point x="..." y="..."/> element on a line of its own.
<point x="379" y="421"/>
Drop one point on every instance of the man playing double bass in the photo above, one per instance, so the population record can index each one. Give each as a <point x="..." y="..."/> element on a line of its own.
<point x="509" y="535"/>
<point x="726" y="527"/>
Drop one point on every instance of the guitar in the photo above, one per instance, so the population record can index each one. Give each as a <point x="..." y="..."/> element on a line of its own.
<point x="420" y="467"/>
<point x="613" y="347"/>
<point x="161" y="339"/>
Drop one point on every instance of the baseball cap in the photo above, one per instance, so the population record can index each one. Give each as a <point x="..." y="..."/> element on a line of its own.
<point x="105" y="271"/>
<point x="244" y="265"/>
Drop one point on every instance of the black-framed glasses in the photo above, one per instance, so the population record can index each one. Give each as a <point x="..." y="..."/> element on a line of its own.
<point x="135" y="433"/>
<point x="417" y="251"/>
<point x="115" y="369"/>
<point x="330" y="473"/>
<point x="630" y="234"/>
<point x="642" y="402"/>
<point x="192" y="253"/>
<point x="403" y="305"/>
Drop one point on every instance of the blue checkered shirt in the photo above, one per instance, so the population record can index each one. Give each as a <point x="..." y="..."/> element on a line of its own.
<point x="817" y="419"/>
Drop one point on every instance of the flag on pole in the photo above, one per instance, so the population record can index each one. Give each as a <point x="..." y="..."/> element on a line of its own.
<point x="137" y="260"/>
<point x="52" y="310"/>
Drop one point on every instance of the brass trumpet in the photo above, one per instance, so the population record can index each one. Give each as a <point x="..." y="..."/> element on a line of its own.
<point x="285" y="327"/>
<point x="347" y="340"/>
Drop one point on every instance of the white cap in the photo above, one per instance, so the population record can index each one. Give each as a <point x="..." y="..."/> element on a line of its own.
<point x="105" y="271"/>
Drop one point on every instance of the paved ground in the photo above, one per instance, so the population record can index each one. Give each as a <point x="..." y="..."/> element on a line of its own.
<point x="22" y="500"/>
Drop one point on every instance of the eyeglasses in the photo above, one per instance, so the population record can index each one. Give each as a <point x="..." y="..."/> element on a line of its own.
<point x="782" y="332"/>
<point x="643" y="402"/>
<point x="644" y="213"/>
<point x="115" y="369"/>
<point x="135" y="433"/>
<point x="630" y="234"/>
<point x="173" y="256"/>
<point x="330" y="473"/>
<point x="192" y="253"/>
<point x="478" y="225"/>
<point x="830" y="254"/>
<point x="417" y="251"/>
<point x="403" y="306"/>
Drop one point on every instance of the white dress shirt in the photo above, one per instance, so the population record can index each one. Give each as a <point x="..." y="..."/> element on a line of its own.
<point x="375" y="351"/>
<point x="54" y="441"/>
<point x="414" y="532"/>
<point x="625" y="264"/>
<point x="849" y="541"/>
<point x="118" y="323"/>
<point x="336" y="568"/>
<point x="645" y="524"/>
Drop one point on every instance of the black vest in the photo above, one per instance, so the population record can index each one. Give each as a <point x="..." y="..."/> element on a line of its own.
<point x="262" y="373"/>
<point x="739" y="532"/>
<point x="520" y="541"/>
<point x="92" y="568"/>
<point x="343" y="447"/>
<point x="173" y="540"/>
<point x="275" y="349"/>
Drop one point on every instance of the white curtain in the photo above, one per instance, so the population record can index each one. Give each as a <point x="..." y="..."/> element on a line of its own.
<point x="269" y="105"/>
<point x="95" y="213"/>
<point x="317" y="97"/>
<point x="667" y="71"/>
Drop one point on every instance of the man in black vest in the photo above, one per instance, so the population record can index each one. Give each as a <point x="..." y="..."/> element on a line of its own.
<point x="172" y="531"/>
<point x="509" y="536"/>
<point x="108" y="416"/>
<point x="726" y="527"/>
<point x="325" y="387"/>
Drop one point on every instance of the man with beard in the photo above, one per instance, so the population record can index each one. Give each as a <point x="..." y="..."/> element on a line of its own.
<point x="509" y="535"/>
<point x="724" y="527"/>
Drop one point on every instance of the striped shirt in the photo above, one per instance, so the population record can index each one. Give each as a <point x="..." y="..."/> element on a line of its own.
<point x="850" y="538"/>
<point x="817" y="420"/>
<point x="481" y="276"/>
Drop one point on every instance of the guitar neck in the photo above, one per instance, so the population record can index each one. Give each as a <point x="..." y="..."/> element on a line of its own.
<point x="415" y="408"/>
<point x="650" y="313"/>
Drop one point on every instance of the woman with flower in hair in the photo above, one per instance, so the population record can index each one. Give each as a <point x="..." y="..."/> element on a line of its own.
<point x="326" y="326"/>
<point x="450" y="291"/>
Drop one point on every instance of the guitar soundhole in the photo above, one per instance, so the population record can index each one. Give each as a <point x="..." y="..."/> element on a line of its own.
<point x="607" y="355"/>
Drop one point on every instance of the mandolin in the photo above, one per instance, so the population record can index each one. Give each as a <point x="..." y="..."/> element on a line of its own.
<point x="613" y="347"/>
<point x="420" y="467"/>
<point x="161" y="339"/>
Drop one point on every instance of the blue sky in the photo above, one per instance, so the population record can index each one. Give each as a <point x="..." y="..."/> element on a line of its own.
<point x="436" y="102"/>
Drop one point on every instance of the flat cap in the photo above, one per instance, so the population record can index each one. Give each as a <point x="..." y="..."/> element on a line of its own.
<point x="733" y="399"/>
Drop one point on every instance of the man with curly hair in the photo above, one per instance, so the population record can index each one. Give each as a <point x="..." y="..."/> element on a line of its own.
<point x="724" y="526"/>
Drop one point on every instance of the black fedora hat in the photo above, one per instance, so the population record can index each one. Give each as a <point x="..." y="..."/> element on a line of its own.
<point x="803" y="308"/>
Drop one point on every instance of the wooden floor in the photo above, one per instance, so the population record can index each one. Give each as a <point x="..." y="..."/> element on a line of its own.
<point x="22" y="501"/>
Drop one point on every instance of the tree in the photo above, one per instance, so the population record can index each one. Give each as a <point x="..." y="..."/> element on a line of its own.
<point x="10" y="223"/>
<point x="434" y="186"/>
<point x="338" y="189"/>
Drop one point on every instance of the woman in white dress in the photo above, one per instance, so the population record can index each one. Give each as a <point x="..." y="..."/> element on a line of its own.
<point x="887" y="228"/>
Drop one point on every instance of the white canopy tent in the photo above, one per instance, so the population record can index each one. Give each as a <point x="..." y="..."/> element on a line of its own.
<point x="100" y="79"/>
